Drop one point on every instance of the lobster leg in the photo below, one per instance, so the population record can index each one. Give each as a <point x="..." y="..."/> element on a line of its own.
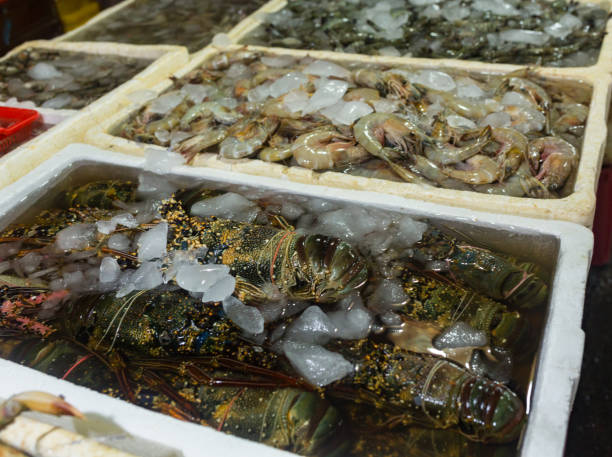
<point x="193" y="367"/>
<point x="183" y="409"/>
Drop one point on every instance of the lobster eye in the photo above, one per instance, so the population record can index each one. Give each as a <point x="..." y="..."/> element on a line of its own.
<point x="164" y="338"/>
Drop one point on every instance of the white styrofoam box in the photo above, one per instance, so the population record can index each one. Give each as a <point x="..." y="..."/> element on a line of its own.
<point x="108" y="16"/>
<point x="164" y="61"/>
<point x="604" y="60"/>
<point x="578" y="207"/>
<point x="563" y="248"/>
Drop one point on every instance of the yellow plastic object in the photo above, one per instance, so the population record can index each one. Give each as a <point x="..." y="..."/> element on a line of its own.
<point x="76" y="12"/>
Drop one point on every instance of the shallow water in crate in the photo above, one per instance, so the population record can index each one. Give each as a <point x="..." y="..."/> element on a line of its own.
<point x="524" y="246"/>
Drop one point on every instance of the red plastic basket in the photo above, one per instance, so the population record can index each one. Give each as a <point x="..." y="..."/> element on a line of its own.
<point x="15" y="126"/>
<point x="602" y="225"/>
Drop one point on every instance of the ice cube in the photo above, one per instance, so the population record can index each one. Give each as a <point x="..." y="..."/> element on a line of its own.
<point x="248" y="318"/>
<point x="220" y="290"/>
<point x="460" y="334"/>
<point x="228" y="206"/>
<point x="313" y="326"/>
<point x="109" y="270"/>
<point x="162" y="161"/>
<point x="316" y="364"/>
<point x="44" y="70"/>
<point x="75" y="237"/>
<point x="325" y="68"/>
<point x="199" y="278"/>
<point x="152" y="243"/>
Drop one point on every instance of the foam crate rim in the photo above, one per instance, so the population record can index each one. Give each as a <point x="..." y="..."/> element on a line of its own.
<point x="578" y="207"/>
<point x="558" y="362"/>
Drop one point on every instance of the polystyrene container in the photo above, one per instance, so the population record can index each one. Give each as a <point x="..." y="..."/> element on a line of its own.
<point x="563" y="248"/>
<point x="74" y="124"/>
<point x="578" y="207"/>
<point x="604" y="60"/>
<point x="108" y="15"/>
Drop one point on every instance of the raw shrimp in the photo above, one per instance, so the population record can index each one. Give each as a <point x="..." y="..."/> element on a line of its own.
<point x="537" y="95"/>
<point x="220" y="113"/>
<point x="448" y="154"/>
<point x="246" y="137"/>
<point x="326" y="148"/>
<point x="557" y="157"/>
<point x="478" y="169"/>
<point x="512" y="150"/>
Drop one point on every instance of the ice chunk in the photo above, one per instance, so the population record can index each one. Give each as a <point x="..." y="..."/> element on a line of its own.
<point x="152" y="243"/>
<point x="566" y="25"/>
<point x="278" y="61"/>
<point x="384" y="105"/>
<point x="196" y="92"/>
<point x="75" y="237"/>
<point x="499" y="119"/>
<point x="106" y="227"/>
<point x="410" y="231"/>
<point x="44" y="70"/>
<point x="469" y="91"/>
<point x="460" y="335"/>
<point x="388" y="294"/>
<point x="221" y="40"/>
<point x="74" y="279"/>
<point x="324" y="68"/>
<point x="346" y="113"/>
<point x="296" y="100"/>
<point x="460" y="122"/>
<point x="199" y="278"/>
<point x="316" y="364"/>
<point x="313" y="326"/>
<point x="220" y="290"/>
<point x="30" y="262"/>
<point x="248" y="318"/>
<point x="287" y="83"/>
<point x="327" y="93"/>
<point x="389" y="51"/>
<point x="432" y="12"/>
<point x="58" y="102"/>
<point x="161" y="161"/>
<point x="290" y="210"/>
<point x="109" y="270"/>
<point x="517" y="99"/>
<point x="435" y="80"/>
<point x="147" y="276"/>
<point x="455" y="13"/>
<point x="524" y="36"/>
<point x="498" y="7"/>
<point x="162" y="135"/>
<point x="351" y="324"/>
<point x="166" y="103"/>
<point x="227" y="206"/>
<point x="155" y="186"/>
<point x="259" y="93"/>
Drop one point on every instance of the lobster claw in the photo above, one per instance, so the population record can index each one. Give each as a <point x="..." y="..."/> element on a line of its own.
<point x="35" y="401"/>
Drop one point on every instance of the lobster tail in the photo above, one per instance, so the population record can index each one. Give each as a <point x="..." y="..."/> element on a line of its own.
<point x="489" y="411"/>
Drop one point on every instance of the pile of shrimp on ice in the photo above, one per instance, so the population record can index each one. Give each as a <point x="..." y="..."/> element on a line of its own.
<point x="514" y="134"/>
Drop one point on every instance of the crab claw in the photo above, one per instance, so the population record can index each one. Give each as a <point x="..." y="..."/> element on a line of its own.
<point x="35" y="401"/>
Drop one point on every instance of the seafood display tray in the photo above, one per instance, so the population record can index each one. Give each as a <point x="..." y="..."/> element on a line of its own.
<point x="107" y="15"/>
<point x="562" y="248"/>
<point x="74" y="124"/>
<point x="578" y="207"/>
<point x="604" y="60"/>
